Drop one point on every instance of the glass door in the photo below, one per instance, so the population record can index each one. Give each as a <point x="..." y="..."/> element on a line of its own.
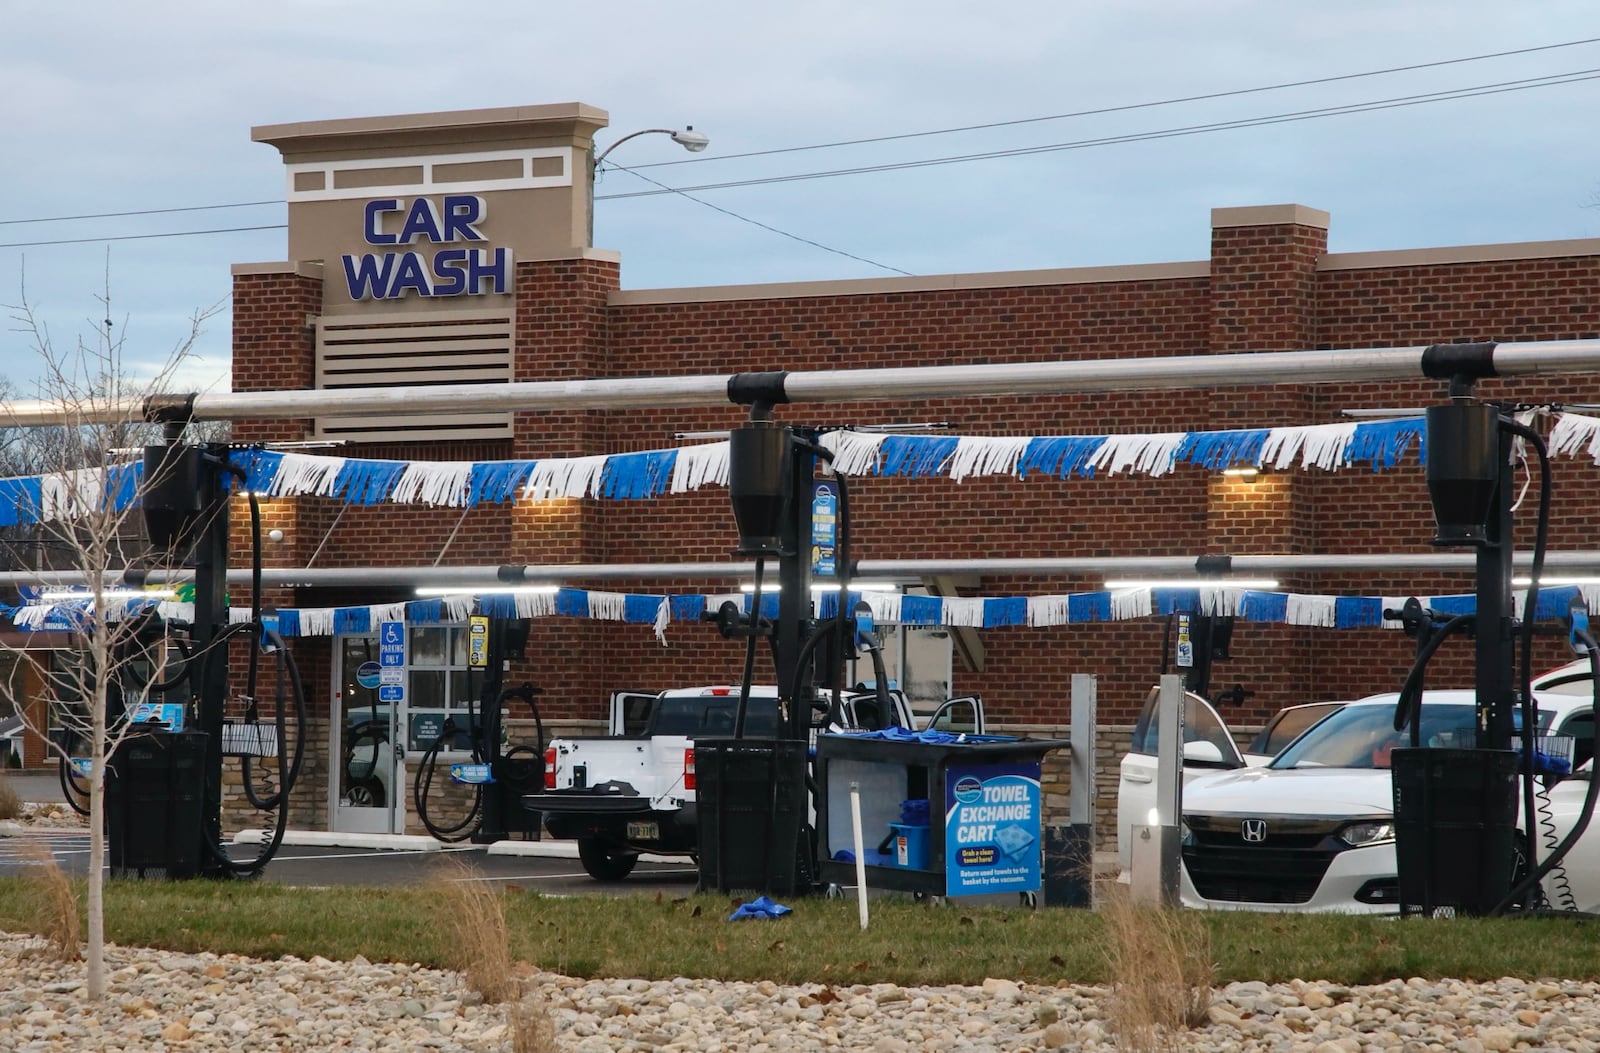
<point x="367" y="783"/>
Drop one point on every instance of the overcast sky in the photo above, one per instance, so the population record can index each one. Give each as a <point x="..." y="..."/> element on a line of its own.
<point x="115" y="107"/>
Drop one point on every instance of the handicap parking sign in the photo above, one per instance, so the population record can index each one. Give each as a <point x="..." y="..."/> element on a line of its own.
<point x="391" y="643"/>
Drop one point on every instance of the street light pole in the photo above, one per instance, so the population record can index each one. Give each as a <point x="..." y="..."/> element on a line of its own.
<point x="686" y="137"/>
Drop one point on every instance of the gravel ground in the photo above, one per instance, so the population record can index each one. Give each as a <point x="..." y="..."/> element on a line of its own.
<point x="160" y="1001"/>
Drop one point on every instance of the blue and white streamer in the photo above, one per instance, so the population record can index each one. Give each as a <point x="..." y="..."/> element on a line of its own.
<point x="658" y="611"/>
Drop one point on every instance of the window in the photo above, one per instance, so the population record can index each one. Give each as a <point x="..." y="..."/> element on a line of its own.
<point x="1200" y="724"/>
<point x="440" y="684"/>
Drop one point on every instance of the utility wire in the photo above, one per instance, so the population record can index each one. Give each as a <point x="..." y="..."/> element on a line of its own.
<point x="758" y="223"/>
<point x="138" y="212"/>
<point x="1126" y="106"/>
<point x="140" y="237"/>
<point x="1399" y="102"/>
<point x="937" y="131"/>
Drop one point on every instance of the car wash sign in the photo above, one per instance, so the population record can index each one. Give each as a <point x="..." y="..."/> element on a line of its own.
<point x="426" y="248"/>
<point x="991" y="828"/>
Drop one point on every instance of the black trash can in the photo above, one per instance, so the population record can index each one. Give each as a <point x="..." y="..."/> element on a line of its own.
<point x="1455" y="813"/>
<point x="752" y="811"/>
<point x="154" y="794"/>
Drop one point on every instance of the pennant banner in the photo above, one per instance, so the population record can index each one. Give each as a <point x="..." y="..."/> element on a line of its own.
<point x="1333" y="612"/>
<point x="628" y="476"/>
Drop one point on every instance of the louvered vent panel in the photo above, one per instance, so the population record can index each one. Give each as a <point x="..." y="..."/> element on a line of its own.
<point x="407" y="350"/>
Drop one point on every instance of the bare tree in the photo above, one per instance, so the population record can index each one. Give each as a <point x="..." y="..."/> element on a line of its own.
<point x="91" y="531"/>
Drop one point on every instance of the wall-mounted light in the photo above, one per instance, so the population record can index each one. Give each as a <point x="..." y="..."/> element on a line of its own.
<point x="819" y="588"/>
<point x="1547" y="581"/>
<point x="487" y="590"/>
<point x="1191" y="583"/>
<point x="1241" y="473"/>
<point x="58" y="595"/>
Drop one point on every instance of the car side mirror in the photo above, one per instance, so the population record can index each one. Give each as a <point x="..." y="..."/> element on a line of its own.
<point x="1201" y="752"/>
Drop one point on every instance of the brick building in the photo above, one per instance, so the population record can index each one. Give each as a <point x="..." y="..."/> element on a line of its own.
<point x="523" y="296"/>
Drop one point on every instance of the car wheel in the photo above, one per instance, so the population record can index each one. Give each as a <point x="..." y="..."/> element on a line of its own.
<point x="603" y="862"/>
<point x="365" y="795"/>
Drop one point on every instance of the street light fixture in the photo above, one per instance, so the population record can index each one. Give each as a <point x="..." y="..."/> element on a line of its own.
<point x="686" y="137"/>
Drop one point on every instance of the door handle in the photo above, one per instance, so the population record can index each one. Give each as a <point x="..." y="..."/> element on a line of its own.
<point x="1136" y="776"/>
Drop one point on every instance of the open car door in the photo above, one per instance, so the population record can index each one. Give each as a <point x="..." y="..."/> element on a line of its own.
<point x="960" y="715"/>
<point x="1207" y="747"/>
<point x="631" y="712"/>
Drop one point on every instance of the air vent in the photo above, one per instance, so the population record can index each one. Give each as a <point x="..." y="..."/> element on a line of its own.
<point x="409" y="350"/>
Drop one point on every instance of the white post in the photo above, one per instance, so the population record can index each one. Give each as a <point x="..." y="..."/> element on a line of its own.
<point x="1156" y="856"/>
<point x="861" y="852"/>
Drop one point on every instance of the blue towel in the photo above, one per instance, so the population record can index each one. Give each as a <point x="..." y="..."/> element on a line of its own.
<point x="761" y="907"/>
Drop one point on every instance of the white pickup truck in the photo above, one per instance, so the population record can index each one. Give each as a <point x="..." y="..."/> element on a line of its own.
<point x="633" y="791"/>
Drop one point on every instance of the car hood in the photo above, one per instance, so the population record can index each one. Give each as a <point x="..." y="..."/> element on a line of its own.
<point x="1292" y="791"/>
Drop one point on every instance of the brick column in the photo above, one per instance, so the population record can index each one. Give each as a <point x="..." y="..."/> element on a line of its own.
<point x="561" y="334"/>
<point x="1263" y="298"/>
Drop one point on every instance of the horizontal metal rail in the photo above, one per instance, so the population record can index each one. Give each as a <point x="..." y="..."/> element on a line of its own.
<point x="1541" y="358"/>
<point x="490" y="576"/>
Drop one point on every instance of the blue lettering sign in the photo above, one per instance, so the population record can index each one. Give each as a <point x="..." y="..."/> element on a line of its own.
<point x="368" y="276"/>
<point x="447" y="272"/>
<point x="422" y="224"/>
<point x="461" y="211"/>
<point x="992" y="829"/>
<point x="409" y="274"/>
<point x="373" y="228"/>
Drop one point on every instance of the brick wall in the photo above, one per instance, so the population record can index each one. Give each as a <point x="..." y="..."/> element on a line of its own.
<point x="1270" y="288"/>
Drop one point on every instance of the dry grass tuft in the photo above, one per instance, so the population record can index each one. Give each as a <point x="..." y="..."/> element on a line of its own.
<point x="1162" y="972"/>
<point x="532" y="1028"/>
<point x="480" y="945"/>
<point x="10" y="800"/>
<point x="53" y="902"/>
<point x="478" y="941"/>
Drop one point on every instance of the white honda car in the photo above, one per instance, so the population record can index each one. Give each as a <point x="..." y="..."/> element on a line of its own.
<point x="1313" y="830"/>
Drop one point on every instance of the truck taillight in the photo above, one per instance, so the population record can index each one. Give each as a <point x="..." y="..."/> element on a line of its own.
<point x="688" y="769"/>
<point x="550" y="768"/>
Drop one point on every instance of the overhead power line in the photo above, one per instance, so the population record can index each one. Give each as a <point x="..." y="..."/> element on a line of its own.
<point x="1333" y="79"/>
<point x="764" y="226"/>
<point x="1125" y="107"/>
<point x="137" y="212"/>
<point x="140" y="237"/>
<point x="1400" y="102"/>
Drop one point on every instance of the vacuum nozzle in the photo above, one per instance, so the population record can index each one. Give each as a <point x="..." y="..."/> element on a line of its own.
<point x="759" y="484"/>
<point x="1463" y="470"/>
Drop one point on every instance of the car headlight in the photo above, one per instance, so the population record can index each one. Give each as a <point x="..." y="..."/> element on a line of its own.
<point x="1359" y="835"/>
<point x="1185" y="835"/>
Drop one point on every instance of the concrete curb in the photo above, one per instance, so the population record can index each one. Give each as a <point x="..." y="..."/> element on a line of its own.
<point x="418" y="843"/>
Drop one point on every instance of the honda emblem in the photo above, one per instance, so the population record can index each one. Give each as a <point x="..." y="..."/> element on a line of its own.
<point x="1253" y="831"/>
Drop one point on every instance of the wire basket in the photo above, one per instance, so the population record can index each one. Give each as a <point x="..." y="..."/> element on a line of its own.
<point x="1552" y="754"/>
<point x="250" y="739"/>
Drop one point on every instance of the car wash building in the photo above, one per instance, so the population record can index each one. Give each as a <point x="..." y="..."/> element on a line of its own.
<point x="450" y="248"/>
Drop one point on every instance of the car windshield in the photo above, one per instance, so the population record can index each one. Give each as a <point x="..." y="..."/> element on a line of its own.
<point x="1363" y="736"/>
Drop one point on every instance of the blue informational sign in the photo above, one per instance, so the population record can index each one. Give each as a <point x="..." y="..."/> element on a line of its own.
<point x="168" y="713"/>
<point x="391" y="643"/>
<point x="991" y="828"/>
<point x="369" y="674"/>
<point x="824" y="529"/>
<point x="391" y="693"/>
<point x="470" y="774"/>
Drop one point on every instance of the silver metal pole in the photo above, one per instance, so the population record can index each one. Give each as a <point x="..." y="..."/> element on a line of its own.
<point x="1541" y="358"/>
<point x="492" y="576"/>
<point x="1081" y="768"/>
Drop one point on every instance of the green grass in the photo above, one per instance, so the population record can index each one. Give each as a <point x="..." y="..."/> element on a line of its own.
<point x="908" y="943"/>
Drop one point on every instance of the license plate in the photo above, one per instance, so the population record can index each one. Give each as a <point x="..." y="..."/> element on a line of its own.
<point x="644" y="832"/>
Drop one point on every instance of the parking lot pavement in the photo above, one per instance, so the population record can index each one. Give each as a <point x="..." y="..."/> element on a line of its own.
<point x="327" y="866"/>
